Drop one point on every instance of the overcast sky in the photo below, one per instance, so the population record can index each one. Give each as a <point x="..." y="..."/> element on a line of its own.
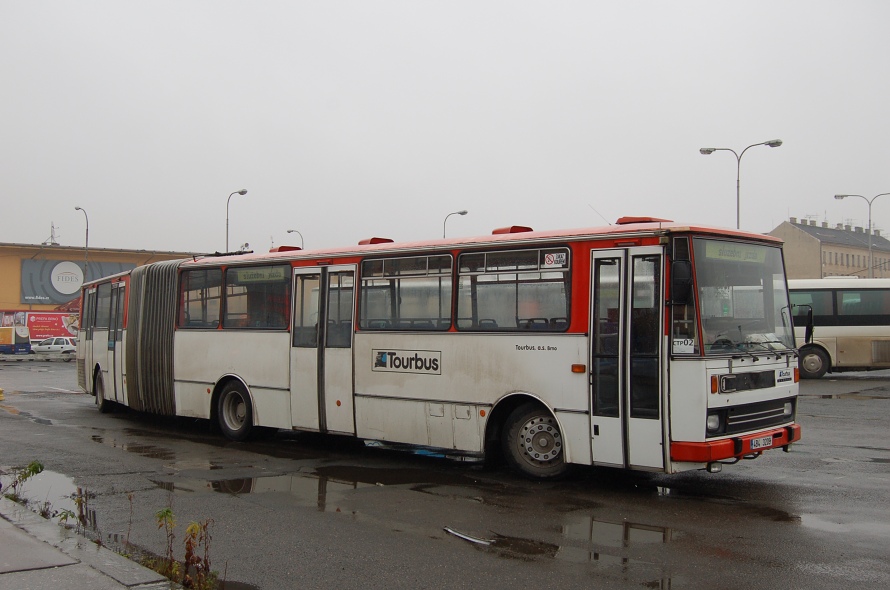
<point x="346" y="120"/>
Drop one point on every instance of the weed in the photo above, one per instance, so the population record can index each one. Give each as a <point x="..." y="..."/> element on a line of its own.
<point x="197" y="567"/>
<point x="19" y="476"/>
<point x="130" y="496"/>
<point x="194" y="572"/>
<point x="65" y="514"/>
<point x="167" y="520"/>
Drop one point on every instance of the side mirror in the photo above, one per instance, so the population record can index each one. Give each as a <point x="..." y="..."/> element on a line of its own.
<point x="681" y="282"/>
<point x="808" y="334"/>
<point x="807" y="315"/>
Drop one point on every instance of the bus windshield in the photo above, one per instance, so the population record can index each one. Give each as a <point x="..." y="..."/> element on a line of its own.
<point x="743" y="297"/>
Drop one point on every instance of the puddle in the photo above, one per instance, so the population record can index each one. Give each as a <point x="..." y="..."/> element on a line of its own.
<point x="586" y="539"/>
<point x="323" y="493"/>
<point x="604" y="533"/>
<point x="51" y="494"/>
<point x="395" y="476"/>
<point x="150" y="451"/>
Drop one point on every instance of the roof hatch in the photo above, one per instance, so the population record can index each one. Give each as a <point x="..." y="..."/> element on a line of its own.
<point x="631" y="219"/>
<point x="511" y="229"/>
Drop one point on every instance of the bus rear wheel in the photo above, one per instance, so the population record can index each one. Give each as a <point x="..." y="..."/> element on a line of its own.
<point x="103" y="404"/>
<point x="234" y="412"/>
<point x="532" y="443"/>
<point x="813" y="362"/>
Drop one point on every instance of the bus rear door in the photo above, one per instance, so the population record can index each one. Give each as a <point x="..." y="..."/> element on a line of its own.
<point x="626" y="383"/>
<point x="321" y="372"/>
<point x="114" y="387"/>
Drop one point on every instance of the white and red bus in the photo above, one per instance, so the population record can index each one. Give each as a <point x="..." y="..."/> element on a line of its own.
<point x="644" y="345"/>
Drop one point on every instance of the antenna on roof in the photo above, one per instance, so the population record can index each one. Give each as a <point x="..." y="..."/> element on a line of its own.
<point x="598" y="213"/>
<point x="51" y="240"/>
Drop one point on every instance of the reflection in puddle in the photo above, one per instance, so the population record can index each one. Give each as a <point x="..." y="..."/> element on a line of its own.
<point x="150" y="451"/>
<point x="321" y="492"/>
<point x="587" y="539"/>
<point x="52" y="494"/>
<point x="588" y="530"/>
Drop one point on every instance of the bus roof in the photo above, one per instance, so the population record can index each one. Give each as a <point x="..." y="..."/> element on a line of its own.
<point x="626" y="227"/>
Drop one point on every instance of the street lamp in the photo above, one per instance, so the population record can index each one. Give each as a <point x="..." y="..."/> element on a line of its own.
<point x="86" y="242"/>
<point x="464" y="212"/>
<point x="871" y="268"/>
<point x="293" y="231"/>
<point x="241" y="192"/>
<point x="738" y="158"/>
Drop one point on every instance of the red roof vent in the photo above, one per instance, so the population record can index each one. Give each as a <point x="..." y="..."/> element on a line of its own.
<point x="512" y="229"/>
<point x="284" y="248"/>
<point x="375" y="241"/>
<point x="631" y="219"/>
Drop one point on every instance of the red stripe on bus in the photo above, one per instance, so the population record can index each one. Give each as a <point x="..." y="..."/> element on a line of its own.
<point x="717" y="450"/>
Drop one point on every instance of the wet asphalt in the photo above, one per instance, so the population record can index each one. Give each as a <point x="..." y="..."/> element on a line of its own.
<point x="294" y="510"/>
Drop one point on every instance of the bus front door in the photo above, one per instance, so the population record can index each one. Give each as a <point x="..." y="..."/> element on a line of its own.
<point x="321" y="366"/>
<point x="626" y="338"/>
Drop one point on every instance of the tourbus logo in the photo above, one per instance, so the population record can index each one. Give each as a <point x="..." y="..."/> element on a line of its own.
<point x="428" y="362"/>
<point x="784" y="376"/>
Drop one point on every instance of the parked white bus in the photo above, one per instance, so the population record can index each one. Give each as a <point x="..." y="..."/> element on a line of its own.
<point x="643" y="345"/>
<point x="851" y="324"/>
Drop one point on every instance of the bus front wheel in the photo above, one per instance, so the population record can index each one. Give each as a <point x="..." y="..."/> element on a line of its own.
<point x="533" y="444"/>
<point x="813" y="363"/>
<point x="235" y="412"/>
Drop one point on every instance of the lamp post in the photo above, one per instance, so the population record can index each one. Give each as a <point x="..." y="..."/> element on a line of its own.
<point x="293" y="231"/>
<point x="738" y="159"/>
<point x="464" y="212"/>
<point x="871" y="268"/>
<point x="241" y="192"/>
<point x="86" y="242"/>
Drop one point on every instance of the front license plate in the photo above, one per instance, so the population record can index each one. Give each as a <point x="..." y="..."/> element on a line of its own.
<point x="763" y="442"/>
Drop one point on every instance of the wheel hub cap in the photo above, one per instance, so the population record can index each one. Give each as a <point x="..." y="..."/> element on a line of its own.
<point x="541" y="440"/>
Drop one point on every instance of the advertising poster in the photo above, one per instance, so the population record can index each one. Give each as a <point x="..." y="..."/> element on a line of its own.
<point x="42" y="325"/>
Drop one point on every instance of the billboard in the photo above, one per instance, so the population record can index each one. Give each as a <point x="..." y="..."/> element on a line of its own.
<point x="52" y="282"/>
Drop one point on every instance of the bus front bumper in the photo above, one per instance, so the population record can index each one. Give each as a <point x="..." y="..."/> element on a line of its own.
<point x="735" y="447"/>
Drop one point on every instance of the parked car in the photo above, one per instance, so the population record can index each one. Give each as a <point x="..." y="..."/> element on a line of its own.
<point x="58" y="345"/>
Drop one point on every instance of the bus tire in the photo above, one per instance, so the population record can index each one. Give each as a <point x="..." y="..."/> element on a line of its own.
<point x="234" y="412"/>
<point x="814" y="362"/>
<point x="532" y="443"/>
<point x="102" y="404"/>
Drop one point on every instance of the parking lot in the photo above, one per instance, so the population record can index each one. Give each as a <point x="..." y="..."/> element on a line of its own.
<point x="294" y="508"/>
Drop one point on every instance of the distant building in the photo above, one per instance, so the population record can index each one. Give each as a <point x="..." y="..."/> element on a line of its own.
<point x="815" y="251"/>
<point x="40" y="284"/>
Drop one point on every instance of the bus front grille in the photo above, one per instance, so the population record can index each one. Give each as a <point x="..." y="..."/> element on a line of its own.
<point x="756" y="416"/>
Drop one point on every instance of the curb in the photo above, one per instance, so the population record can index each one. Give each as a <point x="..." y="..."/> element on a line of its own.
<point x="45" y="356"/>
<point x="84" y="552"/>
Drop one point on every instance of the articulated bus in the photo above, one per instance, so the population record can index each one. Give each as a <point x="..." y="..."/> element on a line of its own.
<point x="645" y="345"/>
<point x="851" y="319"/>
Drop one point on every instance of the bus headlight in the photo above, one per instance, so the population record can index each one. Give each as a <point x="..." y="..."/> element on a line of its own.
<point x="713" y="422"/>
<point x="787" y="409"/>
